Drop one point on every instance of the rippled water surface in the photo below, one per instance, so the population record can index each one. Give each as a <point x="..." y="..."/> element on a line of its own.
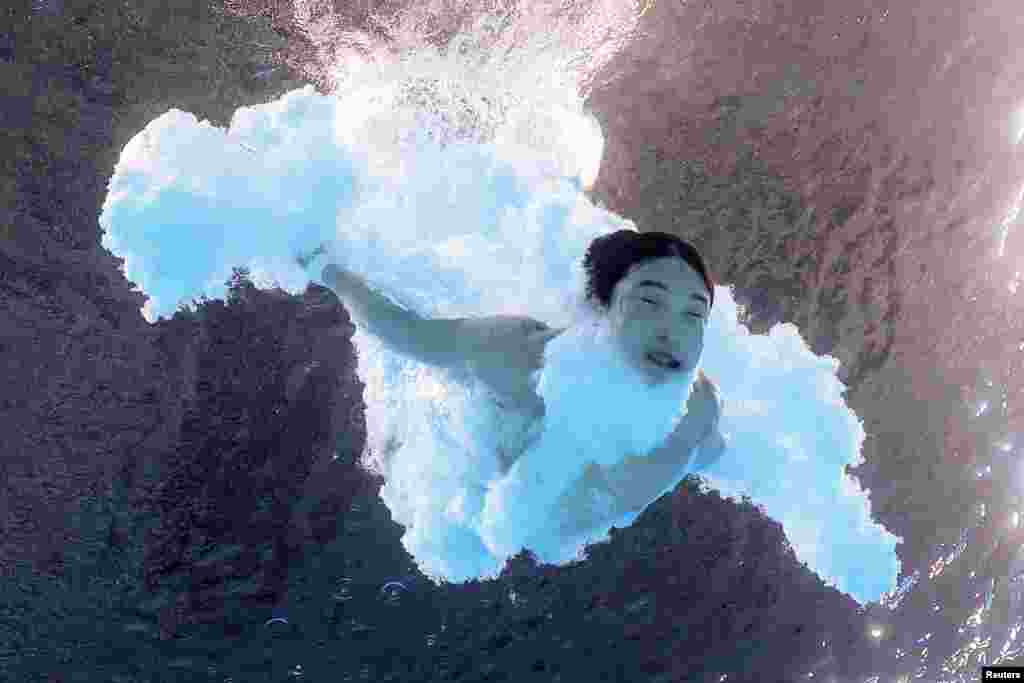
<point x="462" y="181"/>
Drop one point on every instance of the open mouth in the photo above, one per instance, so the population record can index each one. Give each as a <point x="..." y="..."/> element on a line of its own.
<point x="663" y="360"/>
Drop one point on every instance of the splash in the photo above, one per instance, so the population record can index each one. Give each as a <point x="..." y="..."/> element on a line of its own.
<point x="528" y="50"/>
<point x="513" y="75"/>
<point x="450" y="174"/>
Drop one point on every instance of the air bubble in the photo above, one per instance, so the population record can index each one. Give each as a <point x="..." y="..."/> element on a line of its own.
<point x="392" y="591"/>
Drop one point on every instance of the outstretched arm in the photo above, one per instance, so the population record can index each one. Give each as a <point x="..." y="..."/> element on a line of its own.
<point x="370" y="308"/>
<point x="496" y="345"/>
<point x="404" y="331"/>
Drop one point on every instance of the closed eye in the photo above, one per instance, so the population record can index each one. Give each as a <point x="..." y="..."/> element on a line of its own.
<point x="698" y="316"/>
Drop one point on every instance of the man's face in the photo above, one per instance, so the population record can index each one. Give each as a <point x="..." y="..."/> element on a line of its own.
<point x="658" y="312"/>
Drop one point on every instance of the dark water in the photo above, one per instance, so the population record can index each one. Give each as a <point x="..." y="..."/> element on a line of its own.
<point x="381" y="620"/>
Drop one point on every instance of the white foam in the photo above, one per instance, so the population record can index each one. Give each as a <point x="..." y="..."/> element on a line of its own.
<point x="470" y="203"/>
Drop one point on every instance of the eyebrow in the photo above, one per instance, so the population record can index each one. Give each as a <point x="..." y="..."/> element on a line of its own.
<point x="661" y="285"/>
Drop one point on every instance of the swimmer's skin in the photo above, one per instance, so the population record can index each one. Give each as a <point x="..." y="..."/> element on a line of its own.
<point x="502" y="351"/>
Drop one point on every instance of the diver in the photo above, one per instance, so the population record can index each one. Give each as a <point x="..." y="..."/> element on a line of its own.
<point x="652" y="294"/>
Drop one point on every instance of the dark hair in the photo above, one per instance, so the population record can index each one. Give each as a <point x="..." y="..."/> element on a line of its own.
<point x="609" y="257"/>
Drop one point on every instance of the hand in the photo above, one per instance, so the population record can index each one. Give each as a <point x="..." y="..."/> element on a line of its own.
<point x="704" y="406"/>
<point x="707" y="410"/>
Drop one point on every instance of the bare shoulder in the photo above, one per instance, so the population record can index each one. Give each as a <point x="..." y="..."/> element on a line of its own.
<point x="504" y="350"/>
<point x="500" y="329"/>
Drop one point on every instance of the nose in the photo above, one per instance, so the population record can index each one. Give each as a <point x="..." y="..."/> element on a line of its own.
<point x="665" y="338"/>
<point x="672" y="337"/>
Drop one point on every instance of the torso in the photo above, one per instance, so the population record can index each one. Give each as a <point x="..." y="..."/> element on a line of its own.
<point x="519" y="425"/>
<point x="514" y="385"/>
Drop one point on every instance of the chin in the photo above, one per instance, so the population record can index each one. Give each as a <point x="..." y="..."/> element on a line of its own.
<point x="666" y="376"/>
<point x="656" y="375"/>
